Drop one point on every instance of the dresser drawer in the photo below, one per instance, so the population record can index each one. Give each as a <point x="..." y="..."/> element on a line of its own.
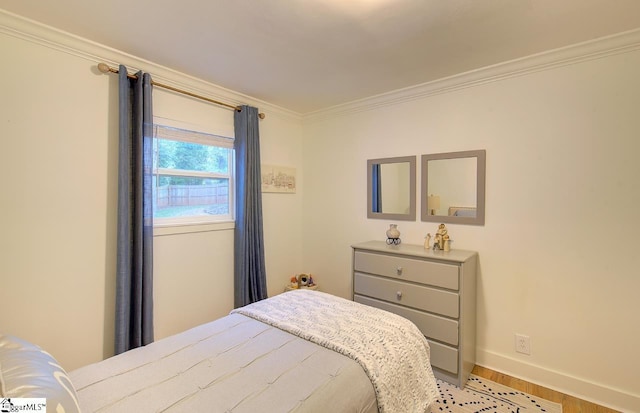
<point x="425" y="272"/>
<point x="424" y="298"/>
<point x="432" y="326"/>
<point x="444" y="357"/>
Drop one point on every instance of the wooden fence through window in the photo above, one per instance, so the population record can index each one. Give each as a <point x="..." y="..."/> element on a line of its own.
<point x="192" y="195"/>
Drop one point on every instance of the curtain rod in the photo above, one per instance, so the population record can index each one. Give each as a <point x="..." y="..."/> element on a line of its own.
<point x="105" y="68"/>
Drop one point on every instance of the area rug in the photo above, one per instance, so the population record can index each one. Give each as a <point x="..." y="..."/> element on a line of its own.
<point x="485" y="396"/>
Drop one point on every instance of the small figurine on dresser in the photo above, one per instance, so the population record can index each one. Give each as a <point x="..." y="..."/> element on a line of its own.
<point x="427" y="241"/>
<point x="447" y="243"/>
<point x="442" y="240"/>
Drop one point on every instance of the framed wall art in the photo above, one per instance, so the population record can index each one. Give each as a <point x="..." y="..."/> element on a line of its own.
<point x="279" y="179"/>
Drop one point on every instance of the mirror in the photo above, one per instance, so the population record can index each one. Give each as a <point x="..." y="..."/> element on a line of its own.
<point x="391" y="188"/>
<point x="453" y="187"/>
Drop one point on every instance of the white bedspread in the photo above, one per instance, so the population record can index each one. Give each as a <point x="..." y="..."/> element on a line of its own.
<point x="391" y="349"/>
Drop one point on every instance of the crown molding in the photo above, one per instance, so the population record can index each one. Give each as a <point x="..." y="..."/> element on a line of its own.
<point x="624" y="42"/>
<point x="32" y="31"/>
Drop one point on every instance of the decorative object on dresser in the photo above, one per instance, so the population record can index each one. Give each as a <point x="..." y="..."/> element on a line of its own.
<point x="393" y="235"/>
<point x="435" y="289"/>
<point x="442" y="240"/>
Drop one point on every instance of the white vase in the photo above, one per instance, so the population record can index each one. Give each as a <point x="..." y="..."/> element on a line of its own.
<point x="393" y="232"/>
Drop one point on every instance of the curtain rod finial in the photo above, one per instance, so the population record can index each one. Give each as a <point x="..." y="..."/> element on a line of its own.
<point x="261" y="115"/>
<point x="104" y="68"/>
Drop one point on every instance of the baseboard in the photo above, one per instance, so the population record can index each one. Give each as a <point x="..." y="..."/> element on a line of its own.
<point x="574" y="386"/>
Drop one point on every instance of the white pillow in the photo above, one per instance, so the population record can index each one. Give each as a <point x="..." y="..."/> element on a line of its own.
<point x="27" y="371"/>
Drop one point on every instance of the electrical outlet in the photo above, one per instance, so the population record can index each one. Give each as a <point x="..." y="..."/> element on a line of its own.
<point x="523" y="344"/>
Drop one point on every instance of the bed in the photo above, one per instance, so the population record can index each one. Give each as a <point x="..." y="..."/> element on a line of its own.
<point x="300" y="351"/>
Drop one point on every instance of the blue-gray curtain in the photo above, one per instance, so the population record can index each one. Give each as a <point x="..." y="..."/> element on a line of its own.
<point x="134" y="277"/>
<point x="250" y="279"/>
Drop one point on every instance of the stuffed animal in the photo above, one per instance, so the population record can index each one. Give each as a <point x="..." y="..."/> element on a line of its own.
<point x="303" y="280"/>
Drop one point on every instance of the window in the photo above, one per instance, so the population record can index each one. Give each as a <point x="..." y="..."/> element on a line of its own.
<point x="192" y="177"/>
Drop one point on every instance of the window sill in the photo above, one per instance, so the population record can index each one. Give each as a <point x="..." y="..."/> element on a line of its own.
<point x="187" y="228"/>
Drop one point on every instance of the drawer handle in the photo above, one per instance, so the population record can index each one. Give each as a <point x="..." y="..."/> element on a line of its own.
<point x="399" y="295"/>
<point x="399" y="270"/>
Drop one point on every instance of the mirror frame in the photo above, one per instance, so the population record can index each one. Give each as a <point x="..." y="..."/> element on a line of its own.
<point x="411" y="216"/>
<point x="481" y="157"/>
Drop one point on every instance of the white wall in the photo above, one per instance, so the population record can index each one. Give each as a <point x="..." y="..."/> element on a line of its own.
<point x="58" y="162"/>
<point x="556" y="252"/>
<point x="57" y="199"/>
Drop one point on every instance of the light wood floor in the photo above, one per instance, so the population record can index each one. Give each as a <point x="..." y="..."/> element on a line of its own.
<point x="570" y="404"/>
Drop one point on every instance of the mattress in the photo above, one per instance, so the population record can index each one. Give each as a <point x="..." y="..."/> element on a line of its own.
<point x="234" y="364"/>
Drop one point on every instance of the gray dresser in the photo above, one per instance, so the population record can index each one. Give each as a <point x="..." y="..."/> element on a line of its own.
<point x="434" y="289"/>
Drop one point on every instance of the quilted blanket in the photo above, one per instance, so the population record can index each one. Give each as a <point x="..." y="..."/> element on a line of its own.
<point x="390" y="349"/>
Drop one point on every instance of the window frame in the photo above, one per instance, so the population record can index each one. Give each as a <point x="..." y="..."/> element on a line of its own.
<point x="166" y="131"/>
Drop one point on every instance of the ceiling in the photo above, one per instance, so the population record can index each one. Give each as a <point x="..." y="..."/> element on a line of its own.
<point x="308" y="55"/>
